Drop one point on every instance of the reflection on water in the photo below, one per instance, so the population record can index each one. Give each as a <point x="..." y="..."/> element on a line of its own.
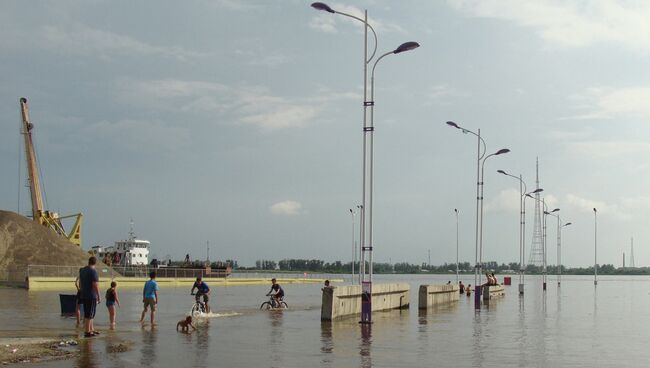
<point x="555" y="328"/>
<point x="365" y="344"/>
<point x="149" y="347"/>
<point x="276" y="336"/>
<point x="86" y="357"/>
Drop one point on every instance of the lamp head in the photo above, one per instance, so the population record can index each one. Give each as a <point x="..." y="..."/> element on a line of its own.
<point x="594" y="210"/>
<point x="502" y="151"/>
<point x="452" y="124"/>
<point x="539" y="190"/>
<point x="322" y="6"/>
<point x="502" y="172"/>
<point x="567" y="224"/>
<point x="555" y="210"/>
<point x="406" y="46"/>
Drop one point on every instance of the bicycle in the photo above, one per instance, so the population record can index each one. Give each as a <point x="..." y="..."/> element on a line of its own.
<point x="273" y="303"/>
<point x="198" y="308"/>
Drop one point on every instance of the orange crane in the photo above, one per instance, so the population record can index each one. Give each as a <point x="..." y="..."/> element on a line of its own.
<point x="46" y="218"/>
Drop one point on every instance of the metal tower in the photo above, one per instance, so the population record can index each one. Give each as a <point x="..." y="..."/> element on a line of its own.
<point x="632" y="253"/>
<point x="536" y="257"/>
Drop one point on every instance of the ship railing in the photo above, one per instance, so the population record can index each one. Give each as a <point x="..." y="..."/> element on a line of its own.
<point x="122" y="271"/>
<point x="165" y="272"/>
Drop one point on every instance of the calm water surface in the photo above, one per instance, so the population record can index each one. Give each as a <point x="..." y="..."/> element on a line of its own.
<point x="576" y="325"/>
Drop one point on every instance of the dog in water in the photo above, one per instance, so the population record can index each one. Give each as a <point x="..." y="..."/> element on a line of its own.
<point x="185" y="324"/>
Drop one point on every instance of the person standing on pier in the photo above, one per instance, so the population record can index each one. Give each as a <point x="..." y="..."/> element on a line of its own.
<point x="150" y="297"/>
<point x="88" y="282"/>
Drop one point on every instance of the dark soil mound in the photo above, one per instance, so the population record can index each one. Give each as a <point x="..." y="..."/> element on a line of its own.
<point x="25" y="242"/>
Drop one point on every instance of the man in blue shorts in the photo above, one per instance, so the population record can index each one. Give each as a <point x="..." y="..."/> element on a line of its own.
<point x="150" y="297"/>
<point x="88" y="286"/>
<point x="202" y="290"/>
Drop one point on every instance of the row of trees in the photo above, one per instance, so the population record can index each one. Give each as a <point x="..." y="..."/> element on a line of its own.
<point x="316" y="265"/>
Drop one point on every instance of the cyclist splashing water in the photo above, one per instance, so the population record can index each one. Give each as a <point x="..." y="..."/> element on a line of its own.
<point x="202" y="290"/>
<point x="279" y="292"/>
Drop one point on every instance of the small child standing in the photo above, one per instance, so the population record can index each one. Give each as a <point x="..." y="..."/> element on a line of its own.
<point x="111" y="301"/>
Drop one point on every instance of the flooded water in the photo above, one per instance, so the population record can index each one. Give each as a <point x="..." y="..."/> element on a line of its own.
<point x="576" y="325"/>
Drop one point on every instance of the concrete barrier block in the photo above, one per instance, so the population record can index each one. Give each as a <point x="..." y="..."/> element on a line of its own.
<point x="491" y="291"/>
<point x="430" y="295"/>
<point x="341" y="301"/>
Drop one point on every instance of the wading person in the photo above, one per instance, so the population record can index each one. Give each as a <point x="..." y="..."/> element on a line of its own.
<point x="150" y="297"/>
<point x="88" y="284"/>
<point x="78" y="300"/>
<point x="111" y="301"/>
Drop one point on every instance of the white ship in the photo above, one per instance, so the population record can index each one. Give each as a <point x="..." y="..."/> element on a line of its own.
<point x="130" y="252"/>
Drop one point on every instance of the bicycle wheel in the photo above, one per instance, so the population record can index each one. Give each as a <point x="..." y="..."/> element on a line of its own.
<point x="266" y="305"/>
<point x="284" y="305"/>
<point x="196" y="310"/>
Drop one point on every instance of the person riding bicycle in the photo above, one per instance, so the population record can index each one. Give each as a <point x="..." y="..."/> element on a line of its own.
<point x="279" y="293"/>
<point x="202" y="289"/>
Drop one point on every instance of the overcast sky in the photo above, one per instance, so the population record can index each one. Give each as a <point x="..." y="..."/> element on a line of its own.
<point x="239" y="123"/>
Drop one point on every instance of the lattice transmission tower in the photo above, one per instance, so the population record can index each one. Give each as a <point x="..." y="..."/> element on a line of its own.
<point x="536" y="257"/>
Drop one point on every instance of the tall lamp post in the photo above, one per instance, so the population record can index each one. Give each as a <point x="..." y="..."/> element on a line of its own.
<point x="559" y="242"/>
<point x="545" y="212"/>
<point x="482" y="182"/>
<point x="544" y="270"/>
<point x="559" y="257"/>
<point x="480" y="154"/>
<point x="354" y="246"/>
<point x="595" y="248"/>
<point x="522" y="224"/>
<point x="456" y="211"/>
<point x="367" y="180"/>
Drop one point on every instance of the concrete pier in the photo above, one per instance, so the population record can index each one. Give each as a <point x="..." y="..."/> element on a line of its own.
<point x="491" y="291"/>
<point x="431" y="295"/>
<point x="342" y="301"/>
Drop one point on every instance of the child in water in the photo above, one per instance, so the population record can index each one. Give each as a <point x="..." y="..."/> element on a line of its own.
<point x="468" y="289"/>
<point x="111" y="300"/>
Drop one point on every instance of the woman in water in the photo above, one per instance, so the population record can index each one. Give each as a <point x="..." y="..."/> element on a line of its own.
<point x="111" y="300"/>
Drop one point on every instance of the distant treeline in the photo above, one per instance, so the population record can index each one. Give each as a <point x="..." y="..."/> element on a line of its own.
<point x="316" y="265"/>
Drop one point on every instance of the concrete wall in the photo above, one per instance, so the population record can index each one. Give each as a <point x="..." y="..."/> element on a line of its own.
<point x="431" y="295"/>
<point x="344" y="301"/>
<point x="492" y="291"/>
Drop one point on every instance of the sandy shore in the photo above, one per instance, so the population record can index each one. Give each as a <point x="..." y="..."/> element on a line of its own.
<point x="36" y="349"/>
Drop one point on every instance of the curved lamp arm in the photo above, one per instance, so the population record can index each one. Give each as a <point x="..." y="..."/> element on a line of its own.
<point x="465" y="131"/>
<point x="325" y="7"/>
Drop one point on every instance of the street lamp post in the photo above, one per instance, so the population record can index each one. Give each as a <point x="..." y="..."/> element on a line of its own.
<point x="499" y="152"/>
<point x="559" y="257"/>
<point x="595" y="248"/>
<point x="544" y="268"/>
<point x="479" y="155"/>
<point x="354" y="246"/>
<point x="559" y="242"/>
<point x="366" y="227"/>
<point x="544" y="212"/>
<point x="522" y="224"/>
<point x="456" y="211"/>
<point x="480" y="162"/>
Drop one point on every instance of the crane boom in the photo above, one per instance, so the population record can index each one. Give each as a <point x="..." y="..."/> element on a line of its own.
<point x="45" y="218"/>
<point x="32" y="168"/>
